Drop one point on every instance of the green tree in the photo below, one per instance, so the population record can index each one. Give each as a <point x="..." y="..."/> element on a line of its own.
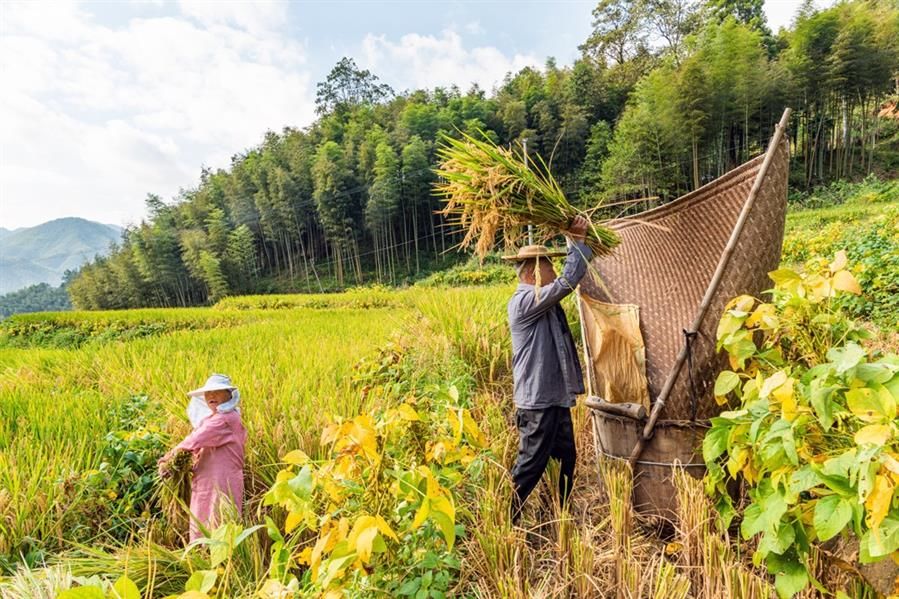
<point x="346" y="86"/>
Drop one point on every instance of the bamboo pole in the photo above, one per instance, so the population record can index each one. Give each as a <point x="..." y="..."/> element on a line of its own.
<point x="712" y="288"/>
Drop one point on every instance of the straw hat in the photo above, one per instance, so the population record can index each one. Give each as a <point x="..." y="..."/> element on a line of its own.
<point x="534" y="251"/>
<point x="216" y="382"/>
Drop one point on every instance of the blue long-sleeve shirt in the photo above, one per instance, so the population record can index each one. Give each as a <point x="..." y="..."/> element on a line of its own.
<point x="545" y="365"/>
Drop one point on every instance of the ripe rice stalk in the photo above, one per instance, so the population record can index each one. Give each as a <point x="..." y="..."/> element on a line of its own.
<point x="174" y="495"/>
<point x="488" y="189"/>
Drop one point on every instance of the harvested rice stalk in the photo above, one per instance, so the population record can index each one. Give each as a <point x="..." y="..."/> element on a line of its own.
<point x="488" y="189"/>
<point x="174" y="493"/>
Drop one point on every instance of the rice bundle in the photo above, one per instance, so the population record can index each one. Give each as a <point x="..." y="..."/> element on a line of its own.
<point x="488" y="189"/>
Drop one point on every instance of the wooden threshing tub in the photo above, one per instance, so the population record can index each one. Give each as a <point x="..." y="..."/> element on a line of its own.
<point x="677" y="266"/>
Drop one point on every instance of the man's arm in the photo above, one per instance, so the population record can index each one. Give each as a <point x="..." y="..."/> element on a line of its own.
<point x="529" y="308"/>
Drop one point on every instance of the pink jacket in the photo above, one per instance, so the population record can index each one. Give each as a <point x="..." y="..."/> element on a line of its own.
<point x="218" y="444"/>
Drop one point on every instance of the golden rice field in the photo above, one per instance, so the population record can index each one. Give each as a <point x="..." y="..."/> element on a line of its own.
<point x="67" y="383"/>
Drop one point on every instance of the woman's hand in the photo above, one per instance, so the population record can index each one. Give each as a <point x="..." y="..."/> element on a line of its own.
<point x="163" y="465"/>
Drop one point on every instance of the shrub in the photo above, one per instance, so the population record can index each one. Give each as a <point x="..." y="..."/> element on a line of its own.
<point x="813" y="431"/>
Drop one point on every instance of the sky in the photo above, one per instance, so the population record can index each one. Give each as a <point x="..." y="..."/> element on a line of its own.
<point x="105" y="102"/>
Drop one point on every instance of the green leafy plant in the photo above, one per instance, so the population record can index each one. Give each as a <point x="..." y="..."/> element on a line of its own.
<point x="380" y="512"/>
<point x="813" y="431"/>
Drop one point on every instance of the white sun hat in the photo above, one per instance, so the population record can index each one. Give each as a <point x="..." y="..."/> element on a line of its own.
<point x="216" y="382"/>
<point x="198" y="410"/>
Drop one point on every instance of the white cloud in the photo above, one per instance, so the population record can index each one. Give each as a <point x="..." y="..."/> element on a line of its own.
<point x="258" y="17"/>
<point x="424" y="61"/>
<point x="93" y="117"/>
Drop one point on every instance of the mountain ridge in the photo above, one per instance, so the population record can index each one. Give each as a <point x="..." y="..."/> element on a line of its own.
<point x="42" y="253"/>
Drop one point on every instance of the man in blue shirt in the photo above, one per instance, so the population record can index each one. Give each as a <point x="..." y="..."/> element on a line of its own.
<point x="545" y="367"/>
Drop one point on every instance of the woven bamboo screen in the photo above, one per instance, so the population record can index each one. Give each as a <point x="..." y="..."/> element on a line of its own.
<point x="667" y="258"/>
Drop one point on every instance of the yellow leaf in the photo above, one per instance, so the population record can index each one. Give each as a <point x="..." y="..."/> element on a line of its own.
<point x="741" y="303"/>
<point x="819" y="287"/>
<point x="293" y="520"/>
<point x="304" y="557"/>
<point x="844" y="280"/>
<point x="363" y="432"/>
<point x="330" y="433"/>
<point x="765" y="314"/>
<point x="363" y="541"/>
<point x="333" y="594"/>
<point x="315" y="558"/>
<point x="407" y="412"/>
<point x="839" y="261"/>
<point x="385" y="528"/>
<point x="784" y="394"/>
<point x="772" y="382"/>
<point x="193" y="595"/>
<point x="343" y="527"/>
<point x="875" y="434"/>
<point x="737" y="460"/>
<point x="878" y="502"/>
<point x="422" y="514"/>
<point x="454" y="418"/>
<point x="296" y="457"/>
<point x="890" y="463"/>
<point x="475" y="436"/>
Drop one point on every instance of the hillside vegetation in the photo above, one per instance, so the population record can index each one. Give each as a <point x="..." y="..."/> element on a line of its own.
<point x="668" y="98"/>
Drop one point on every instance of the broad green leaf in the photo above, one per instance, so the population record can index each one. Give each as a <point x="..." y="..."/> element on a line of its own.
<point x="803" y="479"/>
<point x="884" y="540"/>
<point x="832" y="513"/>
<point x="86" y="592"/>
<point x="729" y="324"/>
<point x="126" y="589"/>
<point x="779" y="540"/>
<point x="201" y="580"/>
<point x="740" y="350"/>
<point x="790" y="575"/>
<point x="726" y="382"/>
<point x="839" y="465"/>
<point x="820" y="398"/>
<point x="714" y="443"/>
<point x="765" y="513"/>
<point x="873" y="373"/>
<point x="302" y="484"/>
<point x="846" y="357"/>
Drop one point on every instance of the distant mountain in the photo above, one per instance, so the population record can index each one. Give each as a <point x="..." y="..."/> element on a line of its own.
<point x="41" y="254"/>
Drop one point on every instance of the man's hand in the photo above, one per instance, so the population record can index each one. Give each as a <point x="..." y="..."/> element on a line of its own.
<point x="578" y="229"/>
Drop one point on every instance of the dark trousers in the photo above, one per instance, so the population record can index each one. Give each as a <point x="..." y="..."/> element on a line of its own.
<point x="543" y="434"/>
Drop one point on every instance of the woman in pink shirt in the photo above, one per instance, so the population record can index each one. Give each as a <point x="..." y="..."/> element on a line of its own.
<point x="217" y="444"/>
